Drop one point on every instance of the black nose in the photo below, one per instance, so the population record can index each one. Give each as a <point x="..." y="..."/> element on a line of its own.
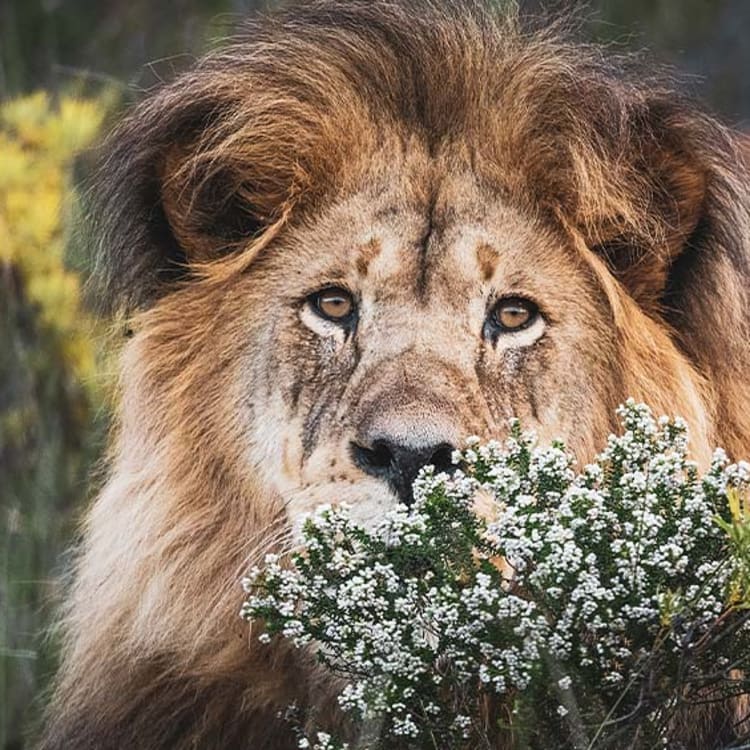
<point x="399" y="464"/>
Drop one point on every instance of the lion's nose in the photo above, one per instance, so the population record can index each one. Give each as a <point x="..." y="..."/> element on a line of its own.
<point x="399" y="464"/>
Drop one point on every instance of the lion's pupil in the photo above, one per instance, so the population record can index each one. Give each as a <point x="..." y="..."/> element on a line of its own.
<point x="513" y="314"/>
<point x="335" y="305"/>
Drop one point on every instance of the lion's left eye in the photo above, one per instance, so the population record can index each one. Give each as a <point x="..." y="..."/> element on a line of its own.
<point x="334" y="304"/>
<point x="513" y="314"/>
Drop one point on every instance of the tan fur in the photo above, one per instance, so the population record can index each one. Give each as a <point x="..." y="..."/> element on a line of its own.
<point x="431" y="159"/>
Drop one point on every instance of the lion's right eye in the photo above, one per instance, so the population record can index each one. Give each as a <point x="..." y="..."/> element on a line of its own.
<point x="333" y="303"/>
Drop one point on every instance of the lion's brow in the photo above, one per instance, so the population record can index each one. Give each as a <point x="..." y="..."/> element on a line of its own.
<point x="367" y="253"/>
<point x="487" y="258"/>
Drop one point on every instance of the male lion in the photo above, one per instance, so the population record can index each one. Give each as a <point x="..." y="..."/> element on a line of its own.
<point x="359" y="233"/>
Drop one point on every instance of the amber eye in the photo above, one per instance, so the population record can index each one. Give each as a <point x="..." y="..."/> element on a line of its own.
<point x="333" y="304"/>
<point x="513" y="314"/>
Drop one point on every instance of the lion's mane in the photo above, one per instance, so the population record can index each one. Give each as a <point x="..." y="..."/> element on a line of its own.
<point x="259" y="135"/>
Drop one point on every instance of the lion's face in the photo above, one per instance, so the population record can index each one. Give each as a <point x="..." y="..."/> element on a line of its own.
<point x="400" y="322"/>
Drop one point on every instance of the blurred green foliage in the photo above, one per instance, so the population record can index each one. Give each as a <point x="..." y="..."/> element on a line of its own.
<point x="703" y="40"/>
<point x="51" y="396"/>
<point x="46" y="43"/>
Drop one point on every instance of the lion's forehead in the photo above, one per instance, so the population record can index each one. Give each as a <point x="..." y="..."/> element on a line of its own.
<point x="420" y="237"/>
<point x="425" y="254"/>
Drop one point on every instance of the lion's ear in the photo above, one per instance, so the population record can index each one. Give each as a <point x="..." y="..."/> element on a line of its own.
<point x="664" y="201"/>
<point x="184" y="182"/>
<point x="671" y="219"/>
<point x="212" y="208"/>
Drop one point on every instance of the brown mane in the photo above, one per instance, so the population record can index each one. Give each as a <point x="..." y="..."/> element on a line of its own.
<point x="209" y="169"/>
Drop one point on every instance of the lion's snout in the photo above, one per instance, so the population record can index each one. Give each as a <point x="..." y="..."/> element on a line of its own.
<point x="398" y="463"/>
<point x="408" y="420"/>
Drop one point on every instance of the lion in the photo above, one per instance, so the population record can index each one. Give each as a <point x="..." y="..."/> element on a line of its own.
<point x="358" y="233"/>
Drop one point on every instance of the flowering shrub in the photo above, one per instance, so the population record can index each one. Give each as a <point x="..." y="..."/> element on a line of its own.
<point x="575" y="609"/>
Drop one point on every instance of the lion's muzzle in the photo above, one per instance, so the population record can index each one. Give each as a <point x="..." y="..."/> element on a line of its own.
<point x="398" y="463"/>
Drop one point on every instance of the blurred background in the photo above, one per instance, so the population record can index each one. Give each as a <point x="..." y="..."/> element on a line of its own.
<point x="67" y="68"/>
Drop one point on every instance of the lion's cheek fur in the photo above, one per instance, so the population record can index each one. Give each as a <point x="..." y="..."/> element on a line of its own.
<point x="651" y="369"/>
<point x="157" y="598"/>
